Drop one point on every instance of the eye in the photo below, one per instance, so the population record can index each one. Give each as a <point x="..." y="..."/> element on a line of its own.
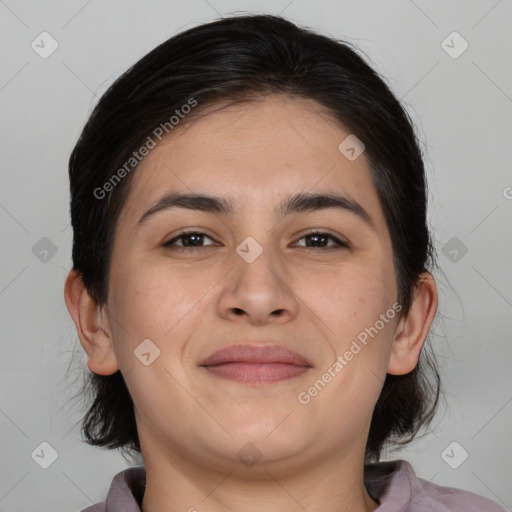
<point x="192" y="239"/>
<point x="319" y="239"/>
<point x="195" y="239"/>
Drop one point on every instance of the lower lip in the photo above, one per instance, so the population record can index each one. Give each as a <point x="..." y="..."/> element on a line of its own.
<point x="257" y="372"/>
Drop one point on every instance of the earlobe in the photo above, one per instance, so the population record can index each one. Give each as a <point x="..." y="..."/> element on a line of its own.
<point x="93" y="329"/>
<point x="412" y="330"/>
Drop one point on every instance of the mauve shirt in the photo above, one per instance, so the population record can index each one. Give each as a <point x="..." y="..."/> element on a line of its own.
<point x="393" y="484"/>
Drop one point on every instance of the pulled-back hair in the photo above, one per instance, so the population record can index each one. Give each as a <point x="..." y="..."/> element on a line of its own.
<point x="232" y="60"/>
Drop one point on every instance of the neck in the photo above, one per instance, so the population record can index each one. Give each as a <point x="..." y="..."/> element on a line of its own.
<point x="334" y="484"/>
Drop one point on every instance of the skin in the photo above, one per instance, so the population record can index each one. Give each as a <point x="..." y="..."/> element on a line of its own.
<point x="313" y="300"/>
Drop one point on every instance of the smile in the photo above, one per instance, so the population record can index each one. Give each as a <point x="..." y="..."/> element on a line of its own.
<point x="256" y="363"/>
<point x="256" y="372"/>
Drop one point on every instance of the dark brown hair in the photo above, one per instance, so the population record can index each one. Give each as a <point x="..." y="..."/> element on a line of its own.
<point x="232" y="60"/>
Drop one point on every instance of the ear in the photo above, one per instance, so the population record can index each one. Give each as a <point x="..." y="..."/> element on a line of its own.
<point x="411" y="331"/>
<point x="92" y="326"/>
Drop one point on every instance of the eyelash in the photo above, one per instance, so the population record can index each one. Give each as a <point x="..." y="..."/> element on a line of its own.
<point x="170" y="243"/>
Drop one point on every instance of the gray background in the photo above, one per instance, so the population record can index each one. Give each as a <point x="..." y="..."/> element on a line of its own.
<point x="462" y="108"/>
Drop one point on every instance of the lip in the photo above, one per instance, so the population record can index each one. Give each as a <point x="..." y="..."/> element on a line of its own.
<point x="256" y="363"/>
<point x="255" y="354"/>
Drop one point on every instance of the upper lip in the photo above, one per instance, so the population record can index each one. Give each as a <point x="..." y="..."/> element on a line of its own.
<point x="255" y="354"/>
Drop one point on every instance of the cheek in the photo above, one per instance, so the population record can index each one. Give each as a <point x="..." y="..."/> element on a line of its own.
<point x="348" y="297"/>
<point x="355" y="307"/>
<point x="149" y="301"/>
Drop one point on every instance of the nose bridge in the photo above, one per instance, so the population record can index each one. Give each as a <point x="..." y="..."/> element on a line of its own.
<point x="257" y="284"/>
<point x="257" y="263"/>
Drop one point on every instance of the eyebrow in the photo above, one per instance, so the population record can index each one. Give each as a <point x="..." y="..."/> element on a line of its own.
<point x="298" y="203"/>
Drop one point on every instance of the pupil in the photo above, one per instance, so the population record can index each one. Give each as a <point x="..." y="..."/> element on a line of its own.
<point x="192" y="236"/>
<point x="316" y="238"/>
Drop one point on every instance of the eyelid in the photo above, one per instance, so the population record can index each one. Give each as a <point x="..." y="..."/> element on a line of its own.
<point x="324" y="231"/>
<point x="188" y="231"/>
<point x="340" y="241"/>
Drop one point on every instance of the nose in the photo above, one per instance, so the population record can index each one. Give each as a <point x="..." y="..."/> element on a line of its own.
<point x="258" y="292"/>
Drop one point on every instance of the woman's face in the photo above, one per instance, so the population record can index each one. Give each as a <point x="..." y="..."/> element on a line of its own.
<point x="253" y="275"/>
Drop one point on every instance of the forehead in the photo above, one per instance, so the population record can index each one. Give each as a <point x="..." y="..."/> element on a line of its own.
<point x="255" y="153"/>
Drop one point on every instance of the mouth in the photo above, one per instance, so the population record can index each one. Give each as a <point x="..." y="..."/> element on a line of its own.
<point x="256" y="363"/>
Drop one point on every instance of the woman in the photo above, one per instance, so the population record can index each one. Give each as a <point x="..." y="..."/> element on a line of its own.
<point x="252" y="278"/>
